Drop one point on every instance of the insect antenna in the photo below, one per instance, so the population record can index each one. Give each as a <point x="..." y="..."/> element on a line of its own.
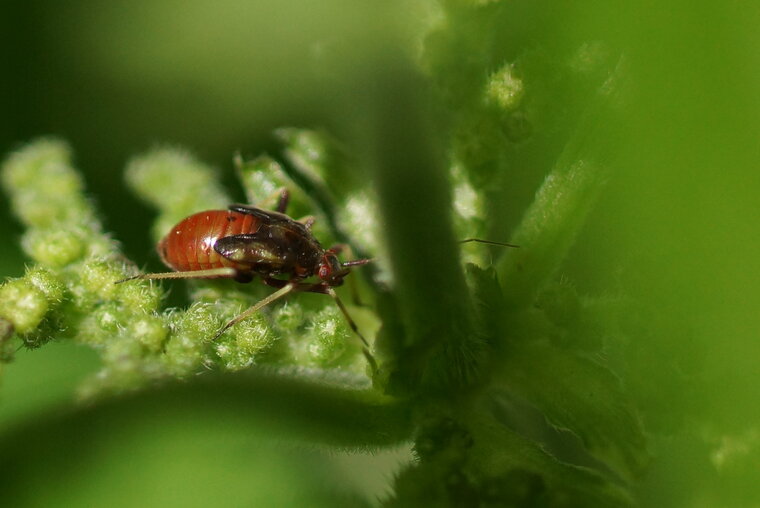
<point x="357" y="262"/>
<point x="489" y="242"/>
<point x="346" y="265"/>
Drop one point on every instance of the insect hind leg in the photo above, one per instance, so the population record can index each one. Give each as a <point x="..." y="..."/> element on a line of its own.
<point x="213" y="273"/>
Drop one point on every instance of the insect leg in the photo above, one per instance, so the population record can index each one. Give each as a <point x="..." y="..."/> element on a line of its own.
<point x="213" y="273"/>
<point x="365" y="345"/>
<point x="287" y="288"/>
<point x="282" y="202"/>
<point x="327" y="290"/>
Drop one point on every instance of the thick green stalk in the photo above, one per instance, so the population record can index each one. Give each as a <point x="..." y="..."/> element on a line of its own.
<point x="550" y="225"/>
<point x="438" y="350"/>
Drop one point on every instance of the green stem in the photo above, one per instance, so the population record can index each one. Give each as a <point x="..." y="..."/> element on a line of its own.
<point x="554" y="219"/>
<point x="438" y="351"/>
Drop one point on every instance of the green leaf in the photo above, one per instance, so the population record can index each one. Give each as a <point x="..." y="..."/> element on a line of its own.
<point x="183" y="446"/>
<point x="497" y="453"/>
<point x="309" y="409"/>
<point x="581" y="395"/>
<point x="486" y="464"/>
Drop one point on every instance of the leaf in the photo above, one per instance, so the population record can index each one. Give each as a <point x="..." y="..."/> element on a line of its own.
<point x="274" y="405"/>
<point x="198" y="444"/>
<point x="498" y="452"/>
<point x="581" y="395"/>
<point x="490" y="465"/>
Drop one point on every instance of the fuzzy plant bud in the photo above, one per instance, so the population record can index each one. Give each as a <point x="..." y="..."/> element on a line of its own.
<point x="47" y="282"/>
<point x="185" y="351"/>
<point x="149" y="331"/>
<point x="22" y="304"/>
<point x="53" y="247"/>
<point x="288" y="317"/>
<point x="328" y="338"/>
<point x="244" y="342"/>
<point x="505" y="88"/>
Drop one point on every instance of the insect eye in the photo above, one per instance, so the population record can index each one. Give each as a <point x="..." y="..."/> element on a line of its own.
<point x="324" y="272"/>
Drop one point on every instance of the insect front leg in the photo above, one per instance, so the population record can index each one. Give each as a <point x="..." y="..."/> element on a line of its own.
<point x="325" y="289"/>
<point x="365" y="345"/>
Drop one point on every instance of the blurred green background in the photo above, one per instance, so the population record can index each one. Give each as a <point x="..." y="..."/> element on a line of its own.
<point x="675" y="230"/>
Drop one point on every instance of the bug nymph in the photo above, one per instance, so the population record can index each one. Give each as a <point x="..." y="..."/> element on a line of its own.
<point x="244" y="242"/>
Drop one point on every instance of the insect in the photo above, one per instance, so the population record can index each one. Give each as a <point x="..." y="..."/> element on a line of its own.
<point x="243" y="242"/>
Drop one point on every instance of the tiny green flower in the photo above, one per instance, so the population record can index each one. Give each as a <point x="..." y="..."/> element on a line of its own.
<point x="47" y="282"/>
<point x="505" y="88"/>
<point x="22" y="304"/>
<point x="150" y="331"/>
<point x="244" y="342"/>
<point x="328" y="337"/>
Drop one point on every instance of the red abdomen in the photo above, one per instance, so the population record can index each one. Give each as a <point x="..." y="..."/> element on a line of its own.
<point x="189" y="246"/>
